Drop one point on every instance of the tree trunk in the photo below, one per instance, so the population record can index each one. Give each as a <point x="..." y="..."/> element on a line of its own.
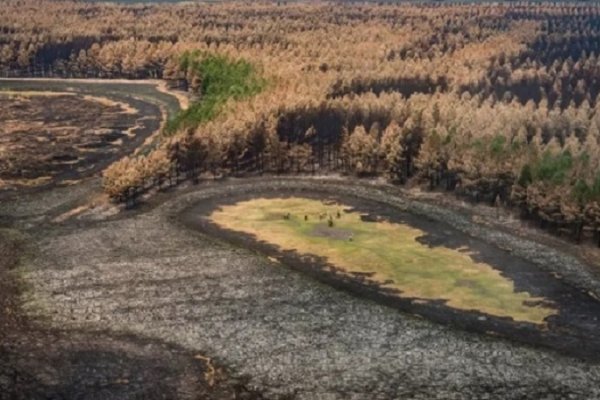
<point x="578" y="230"/>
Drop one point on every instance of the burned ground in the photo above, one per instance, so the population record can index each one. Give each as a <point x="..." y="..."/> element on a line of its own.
<point x="39" y="360"/>
<point x="572" y="330"/>
<point x="281" y="332"/>
<point x="43" y="135"/>
<point x="135" y="304"/>
<point x="55" y="132"/>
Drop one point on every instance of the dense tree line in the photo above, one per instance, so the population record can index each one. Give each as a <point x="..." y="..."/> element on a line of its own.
<point x="544" y="161"/>
<point x="496" y="102"/>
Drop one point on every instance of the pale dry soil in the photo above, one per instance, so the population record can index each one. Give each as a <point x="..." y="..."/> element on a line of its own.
<point x="145" y="273"/>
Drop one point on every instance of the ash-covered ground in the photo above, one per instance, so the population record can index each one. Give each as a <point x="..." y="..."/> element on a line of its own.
<point x="143" y="283"/>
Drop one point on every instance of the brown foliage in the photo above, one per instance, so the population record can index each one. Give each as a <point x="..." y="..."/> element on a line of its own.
<point x="493" y="100"/>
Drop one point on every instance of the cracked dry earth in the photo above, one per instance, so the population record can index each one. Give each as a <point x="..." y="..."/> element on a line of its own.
<point x="145" y="275"/>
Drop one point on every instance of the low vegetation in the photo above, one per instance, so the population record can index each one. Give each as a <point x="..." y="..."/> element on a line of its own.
<point x="215" y="79"/>
<point x="388" y="252"/>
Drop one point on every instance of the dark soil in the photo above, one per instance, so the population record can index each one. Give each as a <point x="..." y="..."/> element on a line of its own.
<point x="67" y="137"/>
<point x="119" y="283"/>
<point x="324" y="230"/>
<point x="39" y="144"/>
<point x="39" y="360"/>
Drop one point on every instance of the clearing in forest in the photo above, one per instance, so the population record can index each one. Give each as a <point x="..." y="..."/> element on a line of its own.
<point x="388" y="252"/>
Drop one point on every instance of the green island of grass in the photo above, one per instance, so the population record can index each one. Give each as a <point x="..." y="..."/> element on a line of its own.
<point x="222" y="79"/>
<point x="389" y="251"/>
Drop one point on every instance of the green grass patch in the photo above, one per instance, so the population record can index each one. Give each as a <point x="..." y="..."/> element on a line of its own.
<point x="585" y="192"/>
<point x="388" y="250"/>
<point x="552" y="168"/>
<point x="221" y="79"/>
